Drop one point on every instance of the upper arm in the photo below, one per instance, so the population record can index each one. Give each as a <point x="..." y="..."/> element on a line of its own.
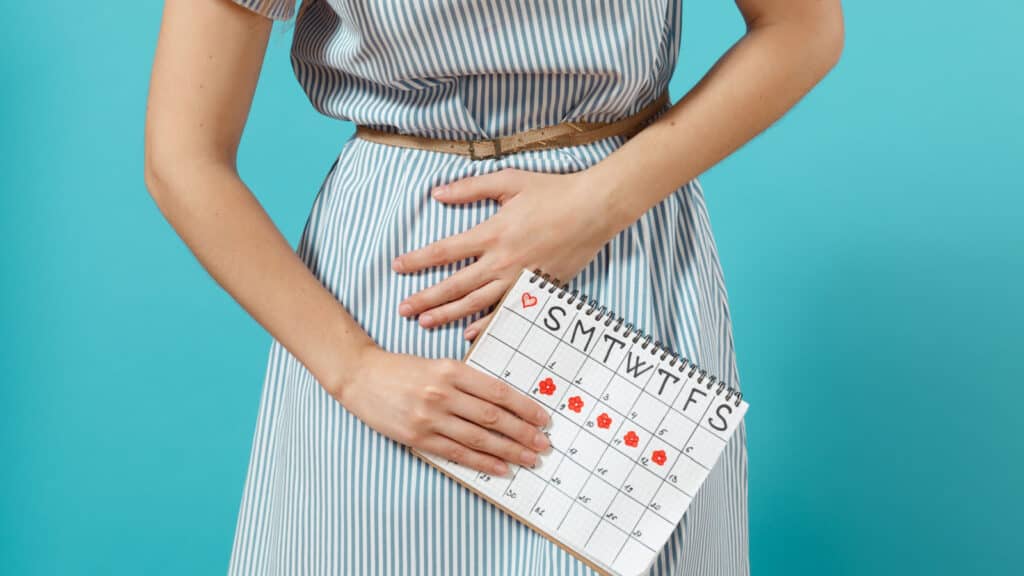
<point x="822" y="20"/>
<point x="207" y="63"/>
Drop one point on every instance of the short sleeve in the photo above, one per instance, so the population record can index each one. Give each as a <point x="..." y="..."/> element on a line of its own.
<point x="274" y="9"/>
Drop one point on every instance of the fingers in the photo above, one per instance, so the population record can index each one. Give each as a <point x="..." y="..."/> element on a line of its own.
<point x="446" y="250"/>
<point x="498" y="186"/>
<point x="494" y="391"/>
<point x="478" y="326"/>
<point x="475" y="301"/>
<point x="479" y="439"/>
<point x="447" y="448"/>
<point x="451" y="288"/>
<point x="498" y="419"/>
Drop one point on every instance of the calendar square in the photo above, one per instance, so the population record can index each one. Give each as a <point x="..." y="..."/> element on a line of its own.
<point x="605" y="542"/>
<point x="603" y="422"/>
<point x="550" y="509"/>
<point x="631" y="440"/>
<point x="659" y="457"/>
<point x="613" y="467"/>
<point x="556" y="317"/>
<point x="620" y="394"/>
<point x="521" y="372"/>
<point x="565" y="361"/>
<point x="624" y="512"/>
<point x="634" y="557"/>
<point x="576" y="405"/>
<point x="641" y="485"/>
<point x="561" y="431"/>
<point x="547" y="463"/>
<point x="687" y="475"/>
<point x="578" y="525"/>
<point x="639" y="365"/>
<point x="647" y="411"/>
<point x="653" y="530"/>
<point x="523" y="491"/>
<point x="694" y="399"/>
<point x="596" y="495"/>
<point x="675" y="429"/>
<point x="723" y="417"/>
<point x="492" y="355"/>
<point x="509" y="327"/>
<point x="704" y="447"/>
<point x="669" y="503"/>
<point x="593" y="377"/>
<point x="491" y="484"/>
<point x="584" y="333"/>
<point x="569" y="477"/>
<point x="548" y="388"/>
<point x="586" y="449"/>
<point x="538" y="345"/>
<point x="527" y="298"/>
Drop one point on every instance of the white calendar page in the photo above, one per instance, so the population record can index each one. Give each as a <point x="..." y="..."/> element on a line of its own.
<point x="632" y="436"/>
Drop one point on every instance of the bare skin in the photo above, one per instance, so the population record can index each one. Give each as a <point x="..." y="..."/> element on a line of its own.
<point x="208" y="59"/>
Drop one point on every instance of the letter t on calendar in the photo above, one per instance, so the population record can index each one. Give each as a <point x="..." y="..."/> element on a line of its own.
<point x="634" y="430"/>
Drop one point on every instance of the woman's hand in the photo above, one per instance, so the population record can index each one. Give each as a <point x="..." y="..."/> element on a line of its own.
<point x="555" y="222"/>
<point x="444" y="407"/>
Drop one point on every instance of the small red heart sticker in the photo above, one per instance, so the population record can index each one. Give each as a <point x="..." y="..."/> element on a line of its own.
<point x="529" y="300"/>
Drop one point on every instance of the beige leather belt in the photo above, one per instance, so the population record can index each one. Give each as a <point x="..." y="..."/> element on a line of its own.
<point x="554" y="136"/>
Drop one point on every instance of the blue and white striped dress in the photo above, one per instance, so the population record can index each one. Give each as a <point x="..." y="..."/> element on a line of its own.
<point x="326" y="494"/>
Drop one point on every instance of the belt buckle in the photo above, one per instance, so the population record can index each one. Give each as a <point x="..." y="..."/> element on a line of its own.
<point x="496" y="142"/>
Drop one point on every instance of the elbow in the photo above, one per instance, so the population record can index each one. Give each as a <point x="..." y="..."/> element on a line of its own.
<point x="830" y="35"/>
<point x="151" y="175"/>
<point x="155" y="170"/>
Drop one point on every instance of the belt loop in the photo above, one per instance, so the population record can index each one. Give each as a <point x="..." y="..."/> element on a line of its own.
<point x="496" y="142"/>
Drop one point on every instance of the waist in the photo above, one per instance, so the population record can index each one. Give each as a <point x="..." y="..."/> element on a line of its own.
<point x="560" y="135"/>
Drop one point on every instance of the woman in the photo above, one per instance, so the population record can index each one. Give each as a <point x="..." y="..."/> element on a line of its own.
<point x="390" y="283"/>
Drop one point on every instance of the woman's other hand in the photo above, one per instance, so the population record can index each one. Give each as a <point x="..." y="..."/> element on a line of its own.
<point x="555" y="222"/>
<point x="444" y="407"/>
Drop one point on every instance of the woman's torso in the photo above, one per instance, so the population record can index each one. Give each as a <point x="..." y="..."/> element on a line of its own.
<point x="469" y="69"/>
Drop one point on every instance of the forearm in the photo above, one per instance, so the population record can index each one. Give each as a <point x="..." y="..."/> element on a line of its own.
<point x="231" y="235"/>
<point x="751" y="86"/>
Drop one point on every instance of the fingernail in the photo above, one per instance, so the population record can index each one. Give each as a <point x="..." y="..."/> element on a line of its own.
<point x="543" y="418"/>
<point x="470" y="333"/>
<point x="528" y="458"/>
<point x="426" y="319"/>
<point x="404" y="309"/>
<point x="440" y="191"/>
<point x="501" y="469"/>
<point x="396" y="265"/>
<point x="541" y="441"/>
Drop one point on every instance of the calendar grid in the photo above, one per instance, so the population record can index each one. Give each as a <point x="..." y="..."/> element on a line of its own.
<point x="565" y="496"/>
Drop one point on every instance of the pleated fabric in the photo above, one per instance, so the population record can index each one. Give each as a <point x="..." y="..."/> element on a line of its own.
<point x="326" y="494"/>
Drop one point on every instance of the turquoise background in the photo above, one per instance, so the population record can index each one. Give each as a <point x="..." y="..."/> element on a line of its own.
<point x="871" y="240"/>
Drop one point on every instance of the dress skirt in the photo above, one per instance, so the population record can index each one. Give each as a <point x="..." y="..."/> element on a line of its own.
<point x="326" y="494"/>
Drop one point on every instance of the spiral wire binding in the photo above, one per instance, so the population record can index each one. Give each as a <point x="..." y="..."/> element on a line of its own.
<point x="594" y="306"/>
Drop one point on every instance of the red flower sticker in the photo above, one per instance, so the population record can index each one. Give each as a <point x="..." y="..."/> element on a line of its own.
<point x="658" y="456"/>
<point x="547" y="386"/>
<point x="604" y="420"/>
<point x="631" y="439"/>
<point x="529" y="300"/>
<point x="576" y="404"/>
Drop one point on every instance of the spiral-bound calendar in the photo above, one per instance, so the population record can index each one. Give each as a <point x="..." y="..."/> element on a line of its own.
<point x="635" y="428"/>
